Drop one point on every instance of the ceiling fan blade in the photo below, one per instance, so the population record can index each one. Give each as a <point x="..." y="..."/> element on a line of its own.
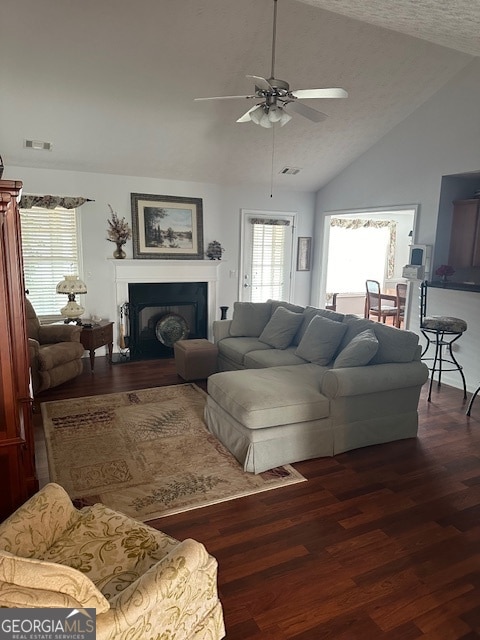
<point x="226" y="98"/>
<point x="261" y="83"/>
<point x="320" y="93"/>
<point x="307" y="112"/>
<point x="246" y="116"/>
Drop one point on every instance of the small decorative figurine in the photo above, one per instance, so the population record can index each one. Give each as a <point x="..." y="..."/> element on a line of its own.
<point x="214" y="250"/>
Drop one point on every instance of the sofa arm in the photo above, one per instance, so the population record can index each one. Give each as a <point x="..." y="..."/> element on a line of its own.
<point x="355" y="381"/>
<point x="51" y="333"/>
<point x="221" y="329"/>
<point x="34" y="527"/>
<point x="174" y="595"/>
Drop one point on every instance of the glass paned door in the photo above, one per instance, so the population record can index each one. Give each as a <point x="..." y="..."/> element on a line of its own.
<point x="267" y="256"/>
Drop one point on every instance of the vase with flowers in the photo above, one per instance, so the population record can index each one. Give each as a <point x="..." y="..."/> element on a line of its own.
<point x="119" y="232"/>
<point x="444" y="271"/>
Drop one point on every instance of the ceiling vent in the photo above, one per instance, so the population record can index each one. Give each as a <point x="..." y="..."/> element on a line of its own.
<point x="38" y="144"/>
<point x="290" y="171"/>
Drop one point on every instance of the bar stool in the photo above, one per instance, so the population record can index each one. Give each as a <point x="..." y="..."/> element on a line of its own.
<point x="446" y="330"/>
<point x="472" y="400"/>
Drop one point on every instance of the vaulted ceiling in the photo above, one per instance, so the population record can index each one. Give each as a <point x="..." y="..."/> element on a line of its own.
<point x="111" y="83"/>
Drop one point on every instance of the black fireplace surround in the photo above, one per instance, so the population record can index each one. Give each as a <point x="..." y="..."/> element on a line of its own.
<point x="151" y="302"/>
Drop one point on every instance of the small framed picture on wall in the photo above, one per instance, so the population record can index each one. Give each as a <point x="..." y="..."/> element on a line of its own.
<point x="304" y="254"/>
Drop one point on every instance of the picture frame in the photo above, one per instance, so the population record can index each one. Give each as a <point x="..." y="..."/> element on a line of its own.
<point x="167" y="227"/>
<point x="304" y="253"/>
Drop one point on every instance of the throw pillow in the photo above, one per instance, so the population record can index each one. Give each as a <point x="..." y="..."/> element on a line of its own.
<point x="358" y="352"/>
<point x="287" y="305"/>
<point x="311" y="312"/>
<point x="394" y="345"/>
<point x="281" y="328"/>
<point x="249" y="318"/>
<point x="321" y="340"/>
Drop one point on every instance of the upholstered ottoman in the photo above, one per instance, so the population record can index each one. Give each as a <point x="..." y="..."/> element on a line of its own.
<point x="195" y="359"/>
<point x="270" y="417"/>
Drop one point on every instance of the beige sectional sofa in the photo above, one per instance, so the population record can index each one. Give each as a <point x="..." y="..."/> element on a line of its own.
<point x="298" y="383"/>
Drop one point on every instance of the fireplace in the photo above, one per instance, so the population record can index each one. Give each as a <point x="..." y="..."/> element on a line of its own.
<point x="161" y="313"/>
<point x="154" y="272"/>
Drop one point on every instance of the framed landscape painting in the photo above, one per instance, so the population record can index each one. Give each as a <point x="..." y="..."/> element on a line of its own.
<point x="167" y="227"/>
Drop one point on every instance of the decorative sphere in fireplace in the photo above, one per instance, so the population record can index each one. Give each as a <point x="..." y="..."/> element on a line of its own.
<point x="170" y="328"/>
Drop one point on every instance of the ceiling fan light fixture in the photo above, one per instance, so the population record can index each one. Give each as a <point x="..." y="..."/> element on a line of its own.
<point x="275" y="114"/>
<point x="265" y="121"/>
<point x="285" y="117"/>
<point x="257" y="114"/>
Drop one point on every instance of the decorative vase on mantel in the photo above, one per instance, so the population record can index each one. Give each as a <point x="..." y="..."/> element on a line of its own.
<point x="119" y="253"/>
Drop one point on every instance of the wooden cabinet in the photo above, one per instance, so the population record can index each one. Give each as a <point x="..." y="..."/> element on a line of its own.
<point x="17" y="460"/>
<point x="465" y="234"/>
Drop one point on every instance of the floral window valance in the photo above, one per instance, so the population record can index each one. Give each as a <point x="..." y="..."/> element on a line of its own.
<point x="270" y="221"/>
<point x="358" y="223"/>
<point x="50" y="202"/>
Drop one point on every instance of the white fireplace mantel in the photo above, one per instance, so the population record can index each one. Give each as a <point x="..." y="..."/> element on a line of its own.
<point x="144" y="271"/>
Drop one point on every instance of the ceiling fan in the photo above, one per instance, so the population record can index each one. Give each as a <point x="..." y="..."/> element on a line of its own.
<point x="275" y="96"/>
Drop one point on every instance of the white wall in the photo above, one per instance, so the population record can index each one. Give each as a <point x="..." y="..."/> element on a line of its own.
<point x="221" y="221"/>
<point x="406" y="167"/>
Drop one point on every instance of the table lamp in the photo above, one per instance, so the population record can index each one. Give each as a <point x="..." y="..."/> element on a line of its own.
<point x="71" y="285"/>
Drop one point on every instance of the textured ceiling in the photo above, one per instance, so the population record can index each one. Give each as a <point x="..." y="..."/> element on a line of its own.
<point x="450" y="23"/>
<point x="110" y="83"/>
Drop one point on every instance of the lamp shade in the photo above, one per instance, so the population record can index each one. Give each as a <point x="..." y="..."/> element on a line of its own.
<point x="71" y="284"/>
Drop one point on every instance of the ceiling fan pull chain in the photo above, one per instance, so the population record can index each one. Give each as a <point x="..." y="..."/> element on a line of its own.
<point x="273" y="157"/>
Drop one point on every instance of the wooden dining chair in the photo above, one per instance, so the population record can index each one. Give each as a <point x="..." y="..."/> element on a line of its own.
<point x="401" y="290"/>
<point x="377" y="304"/>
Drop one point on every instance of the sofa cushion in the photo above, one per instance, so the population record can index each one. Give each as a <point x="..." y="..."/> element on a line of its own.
<point x="311" y="312"/>
<point x="281" y="328"/>
<point x="54" y="355"/>
<point x="358" y="351"/>
<point x="271" y="397"/>
<point x="272" y="358"/>
<point x="394" y="345"/>
<point x="235" y="349"/>
<point x="250" y="318"/>
<point x="321" y="340"/>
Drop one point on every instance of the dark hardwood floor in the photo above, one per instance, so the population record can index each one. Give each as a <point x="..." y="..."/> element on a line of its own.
<point x="380" y="543"/>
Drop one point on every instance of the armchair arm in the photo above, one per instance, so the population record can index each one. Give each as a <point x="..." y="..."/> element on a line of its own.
<point x="354" y="381"/>
<point x="174" y="595"/>
<point x="34" y="527"/>
<point x="221" y="329"/>
<point x="33" y="348"/>
<point x="50" y="333"/>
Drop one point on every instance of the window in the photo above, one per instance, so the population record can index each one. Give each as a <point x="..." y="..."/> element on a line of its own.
<point x="50" y="250"/>
<point x="358" y="250"/>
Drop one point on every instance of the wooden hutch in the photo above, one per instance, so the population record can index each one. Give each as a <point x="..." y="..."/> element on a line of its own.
<point x="18" y="478"/>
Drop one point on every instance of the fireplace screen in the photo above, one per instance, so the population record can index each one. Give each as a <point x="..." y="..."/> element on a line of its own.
<point x="162" y="313"/>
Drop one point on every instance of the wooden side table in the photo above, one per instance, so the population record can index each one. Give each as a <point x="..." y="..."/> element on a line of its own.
<point x="98" y="335"/>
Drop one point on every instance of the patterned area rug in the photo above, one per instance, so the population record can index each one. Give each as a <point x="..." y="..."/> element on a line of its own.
<point x="146" y="453"/>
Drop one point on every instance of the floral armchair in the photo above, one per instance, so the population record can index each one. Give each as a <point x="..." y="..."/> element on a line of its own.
<point x="142" y="583"/>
